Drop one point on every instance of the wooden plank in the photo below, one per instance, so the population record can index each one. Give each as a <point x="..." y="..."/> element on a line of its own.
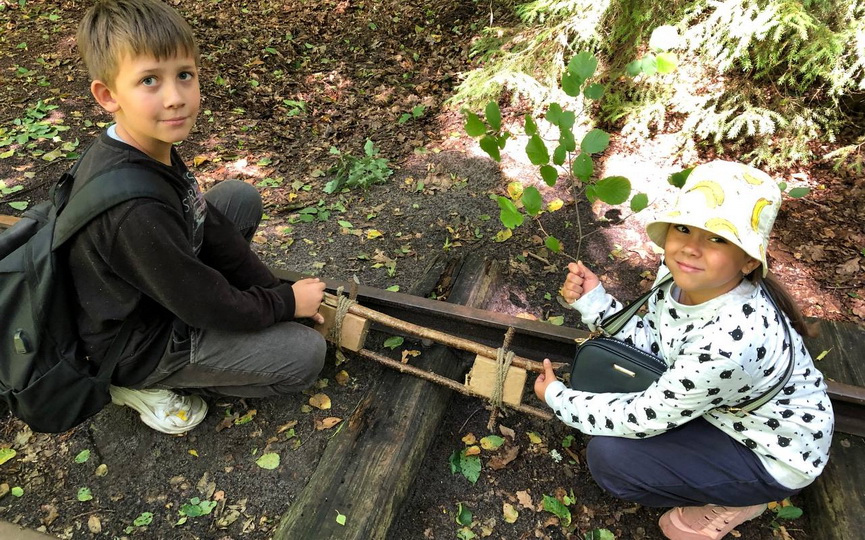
<point x="482" y="378"/>
<point x="834" y="502"/>
<point x="7" y="221"/>
<point x="353" y="332"/>
<point x="369" y="465"/>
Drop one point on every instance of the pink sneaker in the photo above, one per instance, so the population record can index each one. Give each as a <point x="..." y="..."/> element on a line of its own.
<point x="706" y="522"/>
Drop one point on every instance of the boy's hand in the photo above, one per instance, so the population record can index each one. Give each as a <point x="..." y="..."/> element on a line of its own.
<point x="579" y="281"/>
<point x="544" y="380"/>
<point x="308" y="294"/>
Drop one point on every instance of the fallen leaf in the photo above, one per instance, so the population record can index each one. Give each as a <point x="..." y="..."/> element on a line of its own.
<point x="199" y="160"/>
<point x="286" y="427"/>
<point x="527" y="316"/>
<point x="502" y="460"/>
<point x="510" y="513"/>
<point x="469" y="438"/>
<point x="342" y="378"/>
<point x="473" y="450"/>
<point x="94" y="524"/>
<point x="268" y="461"/>
<point x="101" y="470"/>
<point x="373" y="233"/>
<point x="534" y="438"/>
<point x="525" y="500"/>
<point x="6" y="454"/>
<point x="320" y="401"/>
<point x="51" y="512"/>
<point x="327" y="423"/>
<point x="193" y="452"/>
<point x="406" y="354"/>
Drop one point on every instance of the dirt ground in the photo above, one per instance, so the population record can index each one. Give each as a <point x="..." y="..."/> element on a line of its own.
<point x="283" y="82"/>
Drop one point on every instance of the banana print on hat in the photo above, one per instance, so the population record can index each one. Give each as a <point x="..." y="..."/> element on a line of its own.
<point x="734" y="201"/>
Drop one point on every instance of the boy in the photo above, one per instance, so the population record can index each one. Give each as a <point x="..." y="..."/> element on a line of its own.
<point x="206" y="314"/>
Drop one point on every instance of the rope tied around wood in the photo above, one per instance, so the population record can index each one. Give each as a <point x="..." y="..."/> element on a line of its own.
<point x="504" y="357"/>
<point x="343" y="305"/>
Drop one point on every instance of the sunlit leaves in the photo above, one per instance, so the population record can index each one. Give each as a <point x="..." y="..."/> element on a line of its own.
<point x="550" y="174"/>
<point x="597" y="140"/>
<point x="611" y="190"/>
<point x="536" y="151"/>
<point x="583" y="65"/>
<point x="639" y="202"/>
<point x="583" y="167"/>
<point x="474" y="126"/>
<point x="532" y="200"/>
<point x="509" y="215"/>
<point x="490" y="145"/>
<point x="494" y="115"/>
<point x="552" y="243"/>
<point x="6" y="454"/>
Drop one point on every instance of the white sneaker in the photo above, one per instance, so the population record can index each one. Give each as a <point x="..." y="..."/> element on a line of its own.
<point x="163" y="410"/>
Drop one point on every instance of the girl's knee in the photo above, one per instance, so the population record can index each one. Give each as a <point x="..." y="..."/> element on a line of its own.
<point x="607" y="457"/>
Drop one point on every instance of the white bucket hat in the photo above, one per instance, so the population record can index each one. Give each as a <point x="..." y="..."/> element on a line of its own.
<point x="737" y="202"/>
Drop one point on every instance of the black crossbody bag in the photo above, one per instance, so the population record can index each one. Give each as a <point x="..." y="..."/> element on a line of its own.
<point x="604" y="364"/>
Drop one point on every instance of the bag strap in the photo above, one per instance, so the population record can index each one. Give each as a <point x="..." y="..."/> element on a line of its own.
<point x="612" y="324"/>
<point x="752" y="404"/>
<point x="103" y="192"/>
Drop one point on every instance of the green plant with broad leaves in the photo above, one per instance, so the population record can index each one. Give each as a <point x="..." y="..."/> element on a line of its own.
<point x="352" y="171"/>
<point x="570" y="158"/>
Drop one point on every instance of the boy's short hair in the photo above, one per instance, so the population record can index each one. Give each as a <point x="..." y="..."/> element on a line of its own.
<point x="113" y="28"/>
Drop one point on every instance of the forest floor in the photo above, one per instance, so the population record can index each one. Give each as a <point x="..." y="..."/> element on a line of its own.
<point x="284" y="83"/>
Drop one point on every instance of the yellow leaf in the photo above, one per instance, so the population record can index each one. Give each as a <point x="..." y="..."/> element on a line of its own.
<point x="823" y="354"/>
<point x="320" y="401"/>
<point x="473" y="450"/>
<point x="193" y="452"/>
<point x="555" y="204"/>
<point x="510" y="513"/>
<point x="534" y="438"/>
<point x="515" y="190"/>
<point x="470" y="439"/>
<point x="373" y="233"/>
<point x="342" y="378"/>
<point x="409" y="353"/>
<point x="501" y="236"/>
<point x="199" y="160"/>
<point x="527" y="316"/>
<point x="327" y="423"/>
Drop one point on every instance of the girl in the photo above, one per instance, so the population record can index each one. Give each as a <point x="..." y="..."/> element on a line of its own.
<point x="723" y="343"/>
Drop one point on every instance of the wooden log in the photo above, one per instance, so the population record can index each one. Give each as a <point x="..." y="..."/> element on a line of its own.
<point x="482" y="379"/>
<point x="369" y="465"/>
<point x="354" y="328"/>
<point x="7" y="221"/>
<point x="834" y="501"/>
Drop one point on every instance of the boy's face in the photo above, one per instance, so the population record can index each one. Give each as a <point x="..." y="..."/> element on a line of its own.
<point x="704" y="265"/>
<point x="154" y="102"/>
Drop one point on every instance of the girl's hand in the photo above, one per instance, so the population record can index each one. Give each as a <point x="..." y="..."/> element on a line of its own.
<point x="544" y="380"/>
<point x="308" y="294"/>
<point x="579" y="281"/>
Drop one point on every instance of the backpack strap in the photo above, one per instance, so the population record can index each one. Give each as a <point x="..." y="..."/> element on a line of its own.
<point x="103" y="192"/>
<point x="611" y="325"/>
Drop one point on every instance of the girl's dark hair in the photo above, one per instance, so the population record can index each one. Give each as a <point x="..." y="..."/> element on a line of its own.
<point x="784" y="301"/>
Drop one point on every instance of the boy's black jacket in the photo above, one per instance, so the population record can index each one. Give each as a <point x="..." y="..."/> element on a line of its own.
<point x="140" y="257"/>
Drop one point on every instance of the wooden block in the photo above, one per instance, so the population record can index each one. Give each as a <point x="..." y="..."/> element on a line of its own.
<point x="7" y="221"/>
<point x="482" y="379"/>
<point x="354" y="328"/>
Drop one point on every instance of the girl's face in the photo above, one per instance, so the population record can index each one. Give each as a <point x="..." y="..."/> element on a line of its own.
<point x="704" y="265"/>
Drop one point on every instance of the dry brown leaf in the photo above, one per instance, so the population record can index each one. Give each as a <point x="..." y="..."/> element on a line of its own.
<point x="473" y="450"/>
<point x="469" y="438"/>
<point x="502" y="460"/>
<point x="525" y="500"/>
<point x="507" y="432"/>
<point x="94" y="524"/>
<point x="327" y="423"/>
<point x="342" y="378"/>
<point x="286" y="427"/>
<point x="320" y="401"/>
<point x="409" y="353"/>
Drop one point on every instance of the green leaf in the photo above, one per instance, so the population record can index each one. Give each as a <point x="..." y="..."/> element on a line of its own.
<point x="345" y="224"/>
<point x="474" y="126"/>
<point x="531" y="127"/>
<point x="84" y="494"/>
<point x="613" y="189"/>
<point x="789" y="512"/>
<point x="82" y="456"/>
<point x="634" y="68"/>
<point x="393" y="342"/>
<point x="393" y="288"/>
<point x="6" y="454"/>
<point x="470" y="467"/>
<point x="597" y="140"/>
<point x="554" y="113"/>
<point x="594" y="91"/>
<point x="19" y="205"/>
<point x="463" y="515"/>
<point x="583" y="65"/>
<point x="536" y="150"/>
<point x="583" y="167"/>
<point x="494" y="115"/>
<point x="509" y="215"/>
<point x="566" y="140"/>
<point x="454" y="461"/>
<point x="571" y="84"/>
<point x="550" y="174"/>
<point x="798" y="192"/>
<point x="490" y="145"/>
<point x="558" y="320"/>
<point x="369" y="148"/>
<point x="340" y="518"/>
<point x="492" y="442"/>
<point x="678" y="179"/>
<point x="532" y="200"/>
<point x="17" y="491"/>
<point x="555" y="507"/>
<point x="639" y="202"/>
<point x="145" y="518"/>
<point x="667" y="62"/>
<point x="560" y="154"/>
<point x="600" y="534"/>
<point x="268" y="461"/>
<point x="553" y="244"/>
<point x="649" y="65"/>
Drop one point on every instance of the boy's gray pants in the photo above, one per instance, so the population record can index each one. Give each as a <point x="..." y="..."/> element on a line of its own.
<point x="287" y="357"/>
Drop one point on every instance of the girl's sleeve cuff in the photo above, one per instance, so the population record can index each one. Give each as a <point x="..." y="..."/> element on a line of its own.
<point x="553" y="391"/>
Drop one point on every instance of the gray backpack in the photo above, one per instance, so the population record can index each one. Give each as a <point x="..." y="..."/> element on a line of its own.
<point x="45" y="379"/>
